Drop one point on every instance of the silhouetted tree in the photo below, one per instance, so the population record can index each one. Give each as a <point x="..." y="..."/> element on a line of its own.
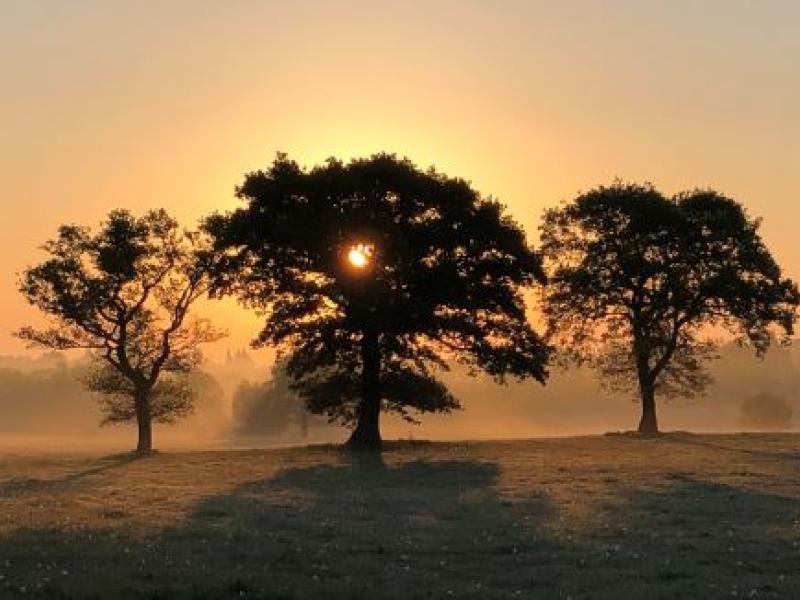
<point x="686" y="375"/>
<point x="210" y="409"/>
<point x="627" y="265"/>
<point x="170" y="399"/>
<point x="373" y="274"/>
<point x="269" y="408"/>
<point x="125" y="293"/>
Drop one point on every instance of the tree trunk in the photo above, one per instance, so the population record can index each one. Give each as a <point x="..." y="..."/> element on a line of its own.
<point x="144" y="422"/>
<point x="648" y="425"/>
<point x="367" y="435"/>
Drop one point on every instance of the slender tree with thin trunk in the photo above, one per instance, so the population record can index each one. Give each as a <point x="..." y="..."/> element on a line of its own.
<point x="125" y="293"/>
<point x="631" y="269"/>
<point x="373" y="275"/>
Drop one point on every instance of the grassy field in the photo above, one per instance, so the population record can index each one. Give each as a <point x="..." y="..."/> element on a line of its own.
<point x="594" y="517"/>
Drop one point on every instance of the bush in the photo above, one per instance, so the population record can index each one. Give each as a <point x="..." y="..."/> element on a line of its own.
<point x="766" y="412"/>
<point x="270" y="408"/>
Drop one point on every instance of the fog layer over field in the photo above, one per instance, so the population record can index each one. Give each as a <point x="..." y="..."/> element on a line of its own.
<point x="43" y="406"/>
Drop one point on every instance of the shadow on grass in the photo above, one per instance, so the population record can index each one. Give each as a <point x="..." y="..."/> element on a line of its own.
<point x="360" y="529"/>
<point x="696" y="539"/>
<point x="435" y="529"/>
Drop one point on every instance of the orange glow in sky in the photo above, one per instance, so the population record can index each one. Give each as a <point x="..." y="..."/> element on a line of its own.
<point x="141" y="105"/>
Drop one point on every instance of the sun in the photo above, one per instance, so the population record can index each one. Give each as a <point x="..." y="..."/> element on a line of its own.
<point x="359" y="255"/>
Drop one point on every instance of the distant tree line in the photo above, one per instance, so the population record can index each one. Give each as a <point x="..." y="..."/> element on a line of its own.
<point x="269" y="408"/>
<point x="375" y="276"/>
<point x="50" y="395"/>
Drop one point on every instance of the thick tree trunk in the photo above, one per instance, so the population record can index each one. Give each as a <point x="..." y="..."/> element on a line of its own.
<point x="144" y="422"/>
<point x="648" y="425"/>
<point x="367" y="435"/>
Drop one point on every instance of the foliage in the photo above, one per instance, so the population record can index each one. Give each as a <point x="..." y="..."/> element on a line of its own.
<point x="124" y="293"/>
<point x="268" y="408"/>
<point x="336" y="393"/>
<point x="766" y="412"/>
<point x="171" y="398"/>
<point x="445" y="280"/>
<point x="628" y="266"/>
<point x="686" y="375"/>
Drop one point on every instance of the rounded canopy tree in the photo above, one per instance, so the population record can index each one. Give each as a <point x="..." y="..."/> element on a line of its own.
<point x="373" y="275"/>
<point x="631" y="269"/>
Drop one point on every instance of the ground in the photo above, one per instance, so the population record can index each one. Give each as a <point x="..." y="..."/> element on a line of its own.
<point x="593" y="517"/>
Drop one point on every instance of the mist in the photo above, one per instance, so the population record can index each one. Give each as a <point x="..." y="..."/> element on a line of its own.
<point x="573" y="402"/>
<point x="44" y="406"/>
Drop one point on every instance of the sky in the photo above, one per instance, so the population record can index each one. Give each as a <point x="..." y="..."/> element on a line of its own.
<point x="107" y="104"/>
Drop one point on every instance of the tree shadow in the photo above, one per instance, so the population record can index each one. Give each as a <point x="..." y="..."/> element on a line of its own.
<point x="696" y="539"/>
<point x="357" y="529"/>
<point x="365" y="529"/>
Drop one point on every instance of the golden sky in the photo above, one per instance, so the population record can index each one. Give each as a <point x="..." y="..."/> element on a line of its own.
<point x="110" y="103"/>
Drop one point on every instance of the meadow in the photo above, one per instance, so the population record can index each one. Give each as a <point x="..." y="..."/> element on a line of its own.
<point x="693" y="516"/>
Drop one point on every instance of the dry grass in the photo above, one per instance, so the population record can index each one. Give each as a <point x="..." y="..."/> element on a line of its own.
<point x="596" y="517"/>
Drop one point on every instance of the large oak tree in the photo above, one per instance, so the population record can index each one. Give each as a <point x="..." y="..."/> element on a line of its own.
<point x="372" y="276"/>
<point x="124" y="292"/>
<point x="632" y="270"/>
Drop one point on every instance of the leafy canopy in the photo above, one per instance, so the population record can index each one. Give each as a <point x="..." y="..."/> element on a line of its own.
<point x="124" y="292"/>
<point x="171" y="397"/>
<point x="630" y="266"/>
<point x="443" y="278"/>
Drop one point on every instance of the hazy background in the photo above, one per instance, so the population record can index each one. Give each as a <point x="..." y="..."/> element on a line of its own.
<point x="43" y="406"/>
<point x="107" y="104"/>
